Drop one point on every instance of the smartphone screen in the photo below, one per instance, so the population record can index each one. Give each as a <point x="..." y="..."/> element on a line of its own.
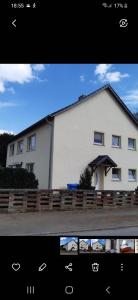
<point x="68" y="149"/>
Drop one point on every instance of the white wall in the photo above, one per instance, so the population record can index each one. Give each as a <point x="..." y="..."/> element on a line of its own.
<point x="40" y="157"/>
<point x="73" y="141"/>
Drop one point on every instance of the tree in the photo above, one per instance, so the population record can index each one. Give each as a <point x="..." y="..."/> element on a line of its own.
<point x="85" y="179"/>
<point x="5" y="138"/>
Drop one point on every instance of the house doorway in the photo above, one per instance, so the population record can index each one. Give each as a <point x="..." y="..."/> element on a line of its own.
<point x="99" y="178"/>
<point x="100" y="167"/>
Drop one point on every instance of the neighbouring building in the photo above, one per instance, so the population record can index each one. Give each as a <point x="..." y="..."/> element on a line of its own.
<point x="98" y="130"/>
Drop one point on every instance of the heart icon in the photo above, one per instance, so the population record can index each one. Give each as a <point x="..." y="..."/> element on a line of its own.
<point x="16" y="266"/>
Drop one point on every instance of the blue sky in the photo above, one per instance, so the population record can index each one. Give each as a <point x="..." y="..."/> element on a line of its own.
<point x="28" y="92"/>
<point x="88" y="241"/>
<point x="65" y="240"/>
<point x="101" y="241"/>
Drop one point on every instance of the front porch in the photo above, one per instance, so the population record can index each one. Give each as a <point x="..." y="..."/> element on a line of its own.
<point x="99" y="169"/>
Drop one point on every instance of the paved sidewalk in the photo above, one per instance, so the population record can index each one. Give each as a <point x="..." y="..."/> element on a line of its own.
<point x="117" y="221"/>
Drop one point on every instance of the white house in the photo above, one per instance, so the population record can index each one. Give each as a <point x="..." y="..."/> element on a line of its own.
<point x="83" y="245"/>
<point x="97" y="130"/>
<point x="71" y="246"/>
<point x="96" y="246"/>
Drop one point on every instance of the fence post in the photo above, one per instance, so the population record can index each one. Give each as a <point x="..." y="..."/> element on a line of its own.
<point x="11" y="202"/>
<point x="25" y="198"/>
<point x="38" y="205"/>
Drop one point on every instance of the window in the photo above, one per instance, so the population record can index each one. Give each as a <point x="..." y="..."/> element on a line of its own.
<point x="16" y="166"/>
<point x="98" y="138"/>
<point x="131" y="144"/>
<point x="20" y="147"/>
<point x="30" y="167"/>
<point x="116" y="141"/>
<point x="116" y="174"/>
<point x="131" y="175"/>
<point x="11" y="150"/>
<point x="31" y="143"/>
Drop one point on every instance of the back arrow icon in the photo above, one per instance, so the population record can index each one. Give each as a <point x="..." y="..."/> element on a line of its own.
<point x="108" y="290"/>
<point x="13" y="23"/>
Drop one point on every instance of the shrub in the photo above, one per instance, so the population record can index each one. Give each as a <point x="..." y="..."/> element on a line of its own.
<point x="85" y="180"/>
<point x="17" y="179"/>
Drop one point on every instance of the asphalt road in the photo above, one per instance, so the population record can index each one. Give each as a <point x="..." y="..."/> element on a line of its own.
<point x="117" y="221"/>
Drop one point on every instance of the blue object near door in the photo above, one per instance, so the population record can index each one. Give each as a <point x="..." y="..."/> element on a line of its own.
<point x="72" y="186"/>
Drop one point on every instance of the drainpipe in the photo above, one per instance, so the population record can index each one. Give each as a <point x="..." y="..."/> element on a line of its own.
<point x="51" y="153"/>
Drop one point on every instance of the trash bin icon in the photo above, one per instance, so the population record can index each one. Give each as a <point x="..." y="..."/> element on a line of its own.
<point x="95" y="267"/>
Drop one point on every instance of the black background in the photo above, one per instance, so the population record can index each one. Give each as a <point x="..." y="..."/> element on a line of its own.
<point x="65" y="32"/>
<point x="31" y="252"/>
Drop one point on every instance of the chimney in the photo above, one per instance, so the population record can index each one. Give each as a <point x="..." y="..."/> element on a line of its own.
<point x="81" y="97"/>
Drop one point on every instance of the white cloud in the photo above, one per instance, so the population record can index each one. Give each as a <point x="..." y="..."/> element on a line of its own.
<point x="101" y="71"/>
<point x="38" y="67"/>
<point x="82" y="78"/>
<point x="115" y="76"/>
<point x="6" y="131"/>
<point x="63" y="238"/>
<point x="131" y="98"/>
<point x="7" y="104"/>
<point x="131" y="95"/>
<point x="2" y="88"/>
<point x="17" y="73"/>
<point x="94" y="241"/>
<point x="11" y="90"/>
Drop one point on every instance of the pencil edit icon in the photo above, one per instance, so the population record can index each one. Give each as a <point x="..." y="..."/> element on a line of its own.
<point x="42" y="267"/>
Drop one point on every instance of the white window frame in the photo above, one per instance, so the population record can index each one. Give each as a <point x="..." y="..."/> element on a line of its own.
<point x="29" y="143"/>
<point x="11" y="151"/>
<point x="19" y="150"/>
<point x="134" y="178"/>
<point x="28" y="167"/>
<point x="117" y="178"/>
<point x="132" y="148"/>
<point x="102" y="135"/>
<point x="119" y="138"/>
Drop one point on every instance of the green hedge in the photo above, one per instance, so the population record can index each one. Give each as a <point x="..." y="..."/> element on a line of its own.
<point x="17" y="179"/>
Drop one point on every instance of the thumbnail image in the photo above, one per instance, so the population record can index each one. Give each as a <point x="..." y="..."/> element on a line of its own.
<point x="97" y="245"/>
<point x="136" y="245"/>
<point x="68" y="245"/>
<point x="112" y="246"/>
<point x="127" y="246"/>
<point x="85" y="246"/>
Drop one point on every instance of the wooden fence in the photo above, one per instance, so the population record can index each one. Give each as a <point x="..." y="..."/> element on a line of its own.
<point x="41" y="200"/>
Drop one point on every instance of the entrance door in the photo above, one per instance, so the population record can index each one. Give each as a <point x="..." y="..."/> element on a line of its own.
<point x="99" y="178"/>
